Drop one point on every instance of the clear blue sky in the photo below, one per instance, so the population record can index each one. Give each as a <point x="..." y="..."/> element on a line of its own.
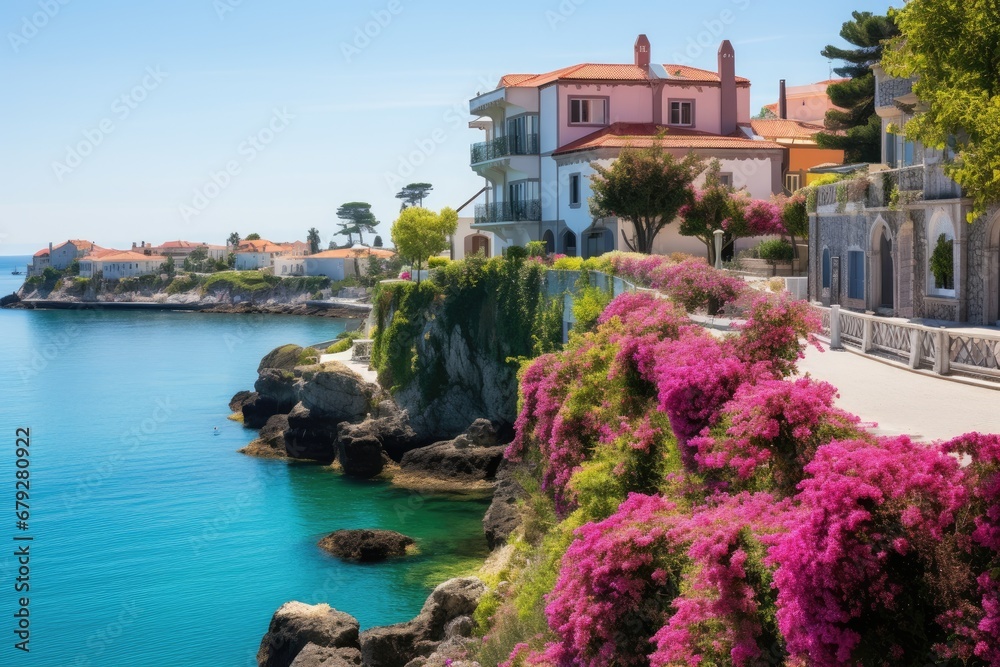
<point x="156" y="97"/>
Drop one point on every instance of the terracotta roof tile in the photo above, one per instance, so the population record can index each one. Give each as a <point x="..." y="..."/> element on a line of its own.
<point x="44" y="252"/>
<point x="343" y="253"/>
<point x="641" y="135"/>
<point x="611" y="72"/>
<point x="129" y="256"/>
<point x="785" y="129"/>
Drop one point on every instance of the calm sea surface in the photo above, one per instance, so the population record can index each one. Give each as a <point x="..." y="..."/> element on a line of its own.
<point x="155" y="543"/>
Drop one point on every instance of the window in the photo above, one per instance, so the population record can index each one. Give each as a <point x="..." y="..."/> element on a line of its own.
<point x="726" y="179"/>
<point x="682" y="113"/>
<point x="856" y="274"/>
<point x="827" y="269"/>
<point x="574" y="190"/>
<point x="792" y="182"/>
<point x="890" y="150"/>
<point x="588" y="111"/>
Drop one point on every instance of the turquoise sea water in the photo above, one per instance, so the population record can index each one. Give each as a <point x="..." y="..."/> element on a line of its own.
<point x="155" y="544"/>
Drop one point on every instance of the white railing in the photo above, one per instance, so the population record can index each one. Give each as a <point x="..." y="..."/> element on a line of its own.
<point x="943" y="350"/>
<point x="361" y="350"/>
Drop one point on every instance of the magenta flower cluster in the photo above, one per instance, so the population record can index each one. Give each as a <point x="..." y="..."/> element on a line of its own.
<point x="692" y="283"/>
<point x="790" y="535"/>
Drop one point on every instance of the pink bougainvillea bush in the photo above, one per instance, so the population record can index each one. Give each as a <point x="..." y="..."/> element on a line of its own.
<point x="617" y="581"/>
<point x="862" y="575"/>
<point x="697" y="286"/>
<point x="770" y="337"/>
<point x="770" y="431"/>
<point x="725" y="613"/>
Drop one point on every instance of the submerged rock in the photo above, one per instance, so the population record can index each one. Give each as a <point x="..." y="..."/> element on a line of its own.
<point x="366" y="546"/>
<point x="295" y="625"/>
<point x="396" y="645"/>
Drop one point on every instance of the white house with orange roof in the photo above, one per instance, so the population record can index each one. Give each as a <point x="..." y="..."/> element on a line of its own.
<point x="61" y="256"/>
<point x="338" y="264"/>
<point x="180" y="250"/>
<point x="543" y="131"/>
<point x="115" y="265"/>
<point x="260" y="254"/>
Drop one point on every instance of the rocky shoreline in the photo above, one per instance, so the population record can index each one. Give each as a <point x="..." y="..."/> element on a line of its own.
<point x="329" y="415"/>
<point x="313" y="309"/>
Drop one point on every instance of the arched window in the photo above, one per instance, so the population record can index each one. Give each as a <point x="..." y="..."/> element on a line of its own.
<point x="569" y="243"/>
<point x="827" y="269"/>
<point x="550" y="241"/>
<point x="941" y="274"/>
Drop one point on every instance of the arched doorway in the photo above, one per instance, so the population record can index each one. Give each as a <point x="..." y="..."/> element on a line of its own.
<point x="904" y="270"/>
<point x="598" y="241"/>
<point x="886" y="299"/>
<point x="476" y="244"/>
<point x="882" y="294"/>
<point x="569" y="243"/>
<point x="550" y="241"/>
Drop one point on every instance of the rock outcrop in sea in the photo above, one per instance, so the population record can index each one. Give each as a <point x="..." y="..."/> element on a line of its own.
<point x="366" y="546"/>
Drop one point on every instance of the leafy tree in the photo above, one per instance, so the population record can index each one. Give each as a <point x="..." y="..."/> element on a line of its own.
<point x="419" y="234"/>
<point x="313" y="239"/>
<point x="357" y="219"/>
<point x="198" y="260"/>
<point x="951" y="50"/>
<point x="710" y="207"/>
<point x="234" y="240"/>
<point x="253" y="237"/>
<point x="646" y="187"/>
<point x="414" y="194"/>
<point x="862" y="129"/>
<point x="169" y="267"/>
<point x="377" y="243"/>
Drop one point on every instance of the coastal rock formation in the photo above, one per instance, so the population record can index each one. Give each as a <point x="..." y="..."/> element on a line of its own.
<point x="258" y="409"/>
<point x="396" y="645"/>
<point x="336" y="393"/>
<point x="296" y="624"/>
<point x="467" y="463"/>
<point x="364" y="449"/>
<point x="280" y="386"/>
<point x="366" y="546"/>
<point x="502" y="518"/>
<point x="270" y="442"/>
<point x="309" y="438"/>
<point x="9" y="300"/>
<point x="240" y="399"/>
<point x="359" y="449"/>
<point x="320" y="656"/>
<point x="477" y="385"/>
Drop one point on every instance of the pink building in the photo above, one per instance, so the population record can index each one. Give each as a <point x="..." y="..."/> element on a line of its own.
<point x="543" y="132"/>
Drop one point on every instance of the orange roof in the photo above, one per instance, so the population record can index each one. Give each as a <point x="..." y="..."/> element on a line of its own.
<point x="642" y="135"/>
<point x="44" y="252"/>
<point x="100" y="253"/>
<point x="263" y="245"/>
<point x="604" y="72"/>
<point x="777" y="128"/>
<point x="343" y="253"/>
<point x="128" y="256"/>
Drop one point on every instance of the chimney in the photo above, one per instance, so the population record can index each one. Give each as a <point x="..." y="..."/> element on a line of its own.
<point x="727" y="84"/>
<point x="782" y="101"/>
<point x="642" y="54"/>
<point x="50" y="248"/>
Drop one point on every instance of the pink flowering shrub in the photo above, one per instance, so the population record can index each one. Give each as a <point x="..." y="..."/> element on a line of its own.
<point x="697" y="286"/>
<point x="617" y="581"/>
<point x="754" y="217"/>
<point x="694" y="376"/>
<point x="646" y="270"/>
<point x="771" y="336"/>
<point x="859" y="576"/>
<point x="981" y="630"/>
<point x="405" y="275"/>
<point x="725" y="615"/>
<point x="770" y="431"/>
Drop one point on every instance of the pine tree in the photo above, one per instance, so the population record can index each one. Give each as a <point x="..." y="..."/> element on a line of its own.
<point x="856" y="118"/>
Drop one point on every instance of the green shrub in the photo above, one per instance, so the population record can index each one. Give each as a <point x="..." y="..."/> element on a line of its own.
<point x="437" y="262"/>
<point x="826" y="179"/>
<point x="588" y="304"/>
<point x="568" y="264"/>
<point x="537" y="249"/>
<point x="775" y="250"/>
<point x="812" y="199"/>
<point x="183" y="284"/>
<point x="943" y="263"/>
<point x="841" y="197"/>
<point x="339" y="346"/>
<point x="516" y="252"/>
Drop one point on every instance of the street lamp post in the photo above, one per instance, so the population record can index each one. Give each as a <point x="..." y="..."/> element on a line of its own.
<point x="718" y="248"/>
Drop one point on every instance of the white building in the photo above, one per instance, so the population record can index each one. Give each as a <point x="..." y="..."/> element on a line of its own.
<point x="336" y="265"/>
<point x="544" y="130"/>
<point x="181" y="250"/>
<point x="60" y="256"/>
<point x="260" y="254"/>
<point x="112" y="265"/>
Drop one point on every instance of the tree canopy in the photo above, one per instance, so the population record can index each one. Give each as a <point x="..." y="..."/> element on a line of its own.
<point x="312" y="238"/>
<point x="950" y="48"/>
<point x="861" y="128"/>
<point x="646" y="187"/>
<point x="253" y="237"/>
<point x="414" y="194"/>
<point x="357" y="219"/>
<point x="709" y="208"/>
<point x="420" y="234"/>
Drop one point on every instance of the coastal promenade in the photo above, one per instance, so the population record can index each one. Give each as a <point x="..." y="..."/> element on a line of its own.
<point x="925" y="407"/>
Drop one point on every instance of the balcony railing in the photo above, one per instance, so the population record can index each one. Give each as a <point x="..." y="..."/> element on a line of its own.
<point x="524" y="144"/>
<point x="521" y="210"/>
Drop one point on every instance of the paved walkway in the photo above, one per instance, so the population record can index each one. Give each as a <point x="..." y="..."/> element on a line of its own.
<point x="359" y="367"/>
<point x="900" y="402"/>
